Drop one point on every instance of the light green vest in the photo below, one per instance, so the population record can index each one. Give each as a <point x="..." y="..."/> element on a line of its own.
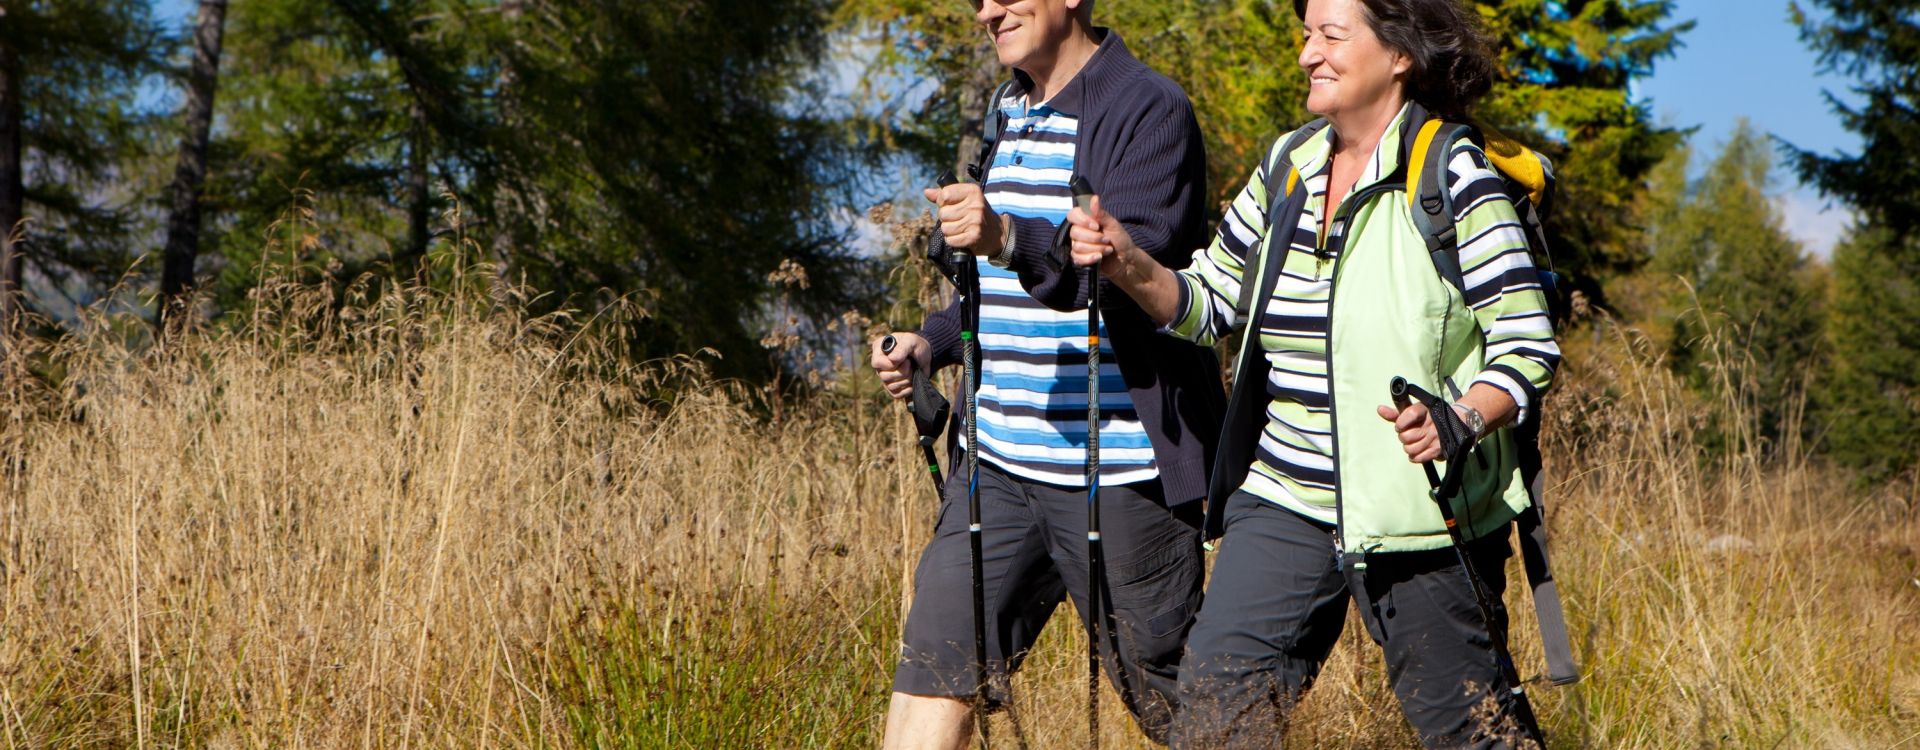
<point x="1392" y="314"/>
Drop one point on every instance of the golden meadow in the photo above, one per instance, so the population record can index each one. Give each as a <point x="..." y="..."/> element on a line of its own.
<point x="416" y="515"/>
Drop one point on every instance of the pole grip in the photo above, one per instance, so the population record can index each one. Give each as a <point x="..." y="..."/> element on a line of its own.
<point x="1398" y="386"/>
<point x="1403" y="394"/>
<point x="930" y="409"/>
<point x="1062" y="247"/>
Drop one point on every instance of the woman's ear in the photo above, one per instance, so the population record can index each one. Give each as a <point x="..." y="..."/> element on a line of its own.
<point x="1402" y="64"/>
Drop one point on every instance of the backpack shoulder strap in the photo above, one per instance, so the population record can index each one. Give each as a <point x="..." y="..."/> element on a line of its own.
<point x="1430" y="198"/>
<point x="1276" y="201"/>
<point x="992" y="123"/>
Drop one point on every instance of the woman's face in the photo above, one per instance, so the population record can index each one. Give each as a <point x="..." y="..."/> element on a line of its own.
<point x="1348" y="68"/>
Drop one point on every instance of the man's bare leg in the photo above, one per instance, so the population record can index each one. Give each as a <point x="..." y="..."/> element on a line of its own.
<point x="918" y="722"/>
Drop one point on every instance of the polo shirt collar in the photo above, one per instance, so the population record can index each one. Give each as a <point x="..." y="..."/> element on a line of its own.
<point x="1108" y="57"/>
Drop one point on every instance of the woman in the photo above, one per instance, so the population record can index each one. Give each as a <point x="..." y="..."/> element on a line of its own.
<point x="1329" y="509"/>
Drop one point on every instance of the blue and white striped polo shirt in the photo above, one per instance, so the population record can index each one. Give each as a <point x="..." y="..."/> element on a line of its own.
<point x="1033" y="376"/>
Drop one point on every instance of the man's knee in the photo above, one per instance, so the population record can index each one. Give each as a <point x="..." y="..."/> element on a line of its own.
<point x="922" y="722"/>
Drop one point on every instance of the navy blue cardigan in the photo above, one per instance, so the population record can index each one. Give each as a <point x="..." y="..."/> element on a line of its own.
<point x="1139" y="146"/>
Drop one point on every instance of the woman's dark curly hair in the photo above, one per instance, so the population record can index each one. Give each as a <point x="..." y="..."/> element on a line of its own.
<point x="1451" y="65"/>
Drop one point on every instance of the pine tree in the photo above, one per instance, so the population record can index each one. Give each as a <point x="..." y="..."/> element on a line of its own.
<point x="673" y="149"/>
<point x="68" y="136"/>
<point x="1869" y="400"/>
<point x="1876" y="43"/>
<point x="336" y="100"/>
<point x="1569" y="66"/>
<point x="1872" y="402"/>
<point x="1749" y="325"/>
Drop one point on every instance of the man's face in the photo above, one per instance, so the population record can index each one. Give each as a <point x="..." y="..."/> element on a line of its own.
<point x="1026" y="33"/>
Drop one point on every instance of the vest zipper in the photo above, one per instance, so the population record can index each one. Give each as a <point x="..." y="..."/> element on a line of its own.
<point x="1336" y="237"/>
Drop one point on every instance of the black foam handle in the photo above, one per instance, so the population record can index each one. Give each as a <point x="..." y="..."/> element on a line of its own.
<point x="1082" y="192"/>
<point x="945" y="259"/>
<point x="1063" y="241"/>
<point x="930" y="409"/>
<point x="1398" y="386"/>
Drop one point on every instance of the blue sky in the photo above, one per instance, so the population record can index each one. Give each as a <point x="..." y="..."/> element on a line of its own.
<point x="1743" y="58"/>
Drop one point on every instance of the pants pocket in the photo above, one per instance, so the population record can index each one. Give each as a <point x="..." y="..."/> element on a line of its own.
<point x="1168" y="622"/>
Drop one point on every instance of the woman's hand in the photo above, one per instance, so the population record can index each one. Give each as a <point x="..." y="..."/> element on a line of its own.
<point x="1418" y="436"/>
<point x="1421" y="438"/>
<point x="1100" y="238"/>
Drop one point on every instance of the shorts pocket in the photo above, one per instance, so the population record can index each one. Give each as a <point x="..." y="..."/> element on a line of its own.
<point x="1162" y="582"/>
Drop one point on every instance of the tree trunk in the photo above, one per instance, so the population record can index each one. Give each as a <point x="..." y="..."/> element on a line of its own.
<point x="13" y="196"/>
<point x="13" y="202"/>
<point x="984" y="76"/>
<point x="419" y="199"/>
<point x="190" y="174"/>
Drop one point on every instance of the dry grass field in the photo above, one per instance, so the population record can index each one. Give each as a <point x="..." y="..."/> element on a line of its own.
<point x="425" y="519"/>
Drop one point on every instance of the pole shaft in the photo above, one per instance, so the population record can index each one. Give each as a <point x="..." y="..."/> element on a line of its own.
<point x="1096" y="553"/>
<point x="1482" y="597"/>
<point x="970" y="359"/>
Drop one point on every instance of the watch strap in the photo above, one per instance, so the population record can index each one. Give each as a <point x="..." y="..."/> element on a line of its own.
<point x="1004" y="258"/>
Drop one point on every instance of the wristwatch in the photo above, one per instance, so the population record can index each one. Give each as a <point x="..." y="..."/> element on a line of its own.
<point x="1475" y="422"/>
<point x="1004" y="258"/>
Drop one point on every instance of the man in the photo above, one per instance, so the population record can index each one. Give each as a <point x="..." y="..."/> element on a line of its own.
<point x="1079" y="104"/>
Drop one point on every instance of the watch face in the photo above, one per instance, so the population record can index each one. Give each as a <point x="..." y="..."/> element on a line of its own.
<point x="1471" y="416"/>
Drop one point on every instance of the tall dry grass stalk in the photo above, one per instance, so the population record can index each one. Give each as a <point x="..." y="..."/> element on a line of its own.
<point x="1725" y="599"/>
<point x="416" y="516"/>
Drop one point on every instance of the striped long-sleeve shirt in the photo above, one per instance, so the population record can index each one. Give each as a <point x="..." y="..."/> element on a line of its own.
<point x="1293" y="463"/>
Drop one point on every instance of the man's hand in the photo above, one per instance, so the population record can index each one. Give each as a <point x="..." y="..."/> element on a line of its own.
<point x="896" y="369"/>
<point x="966" y="221"/>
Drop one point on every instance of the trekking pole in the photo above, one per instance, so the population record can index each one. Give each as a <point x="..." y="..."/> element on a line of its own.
<point x="929" y="410"/>
<point x="1455" y="444"/>
<point x="1096" y="554"/>
<point x="969" y="273"/>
